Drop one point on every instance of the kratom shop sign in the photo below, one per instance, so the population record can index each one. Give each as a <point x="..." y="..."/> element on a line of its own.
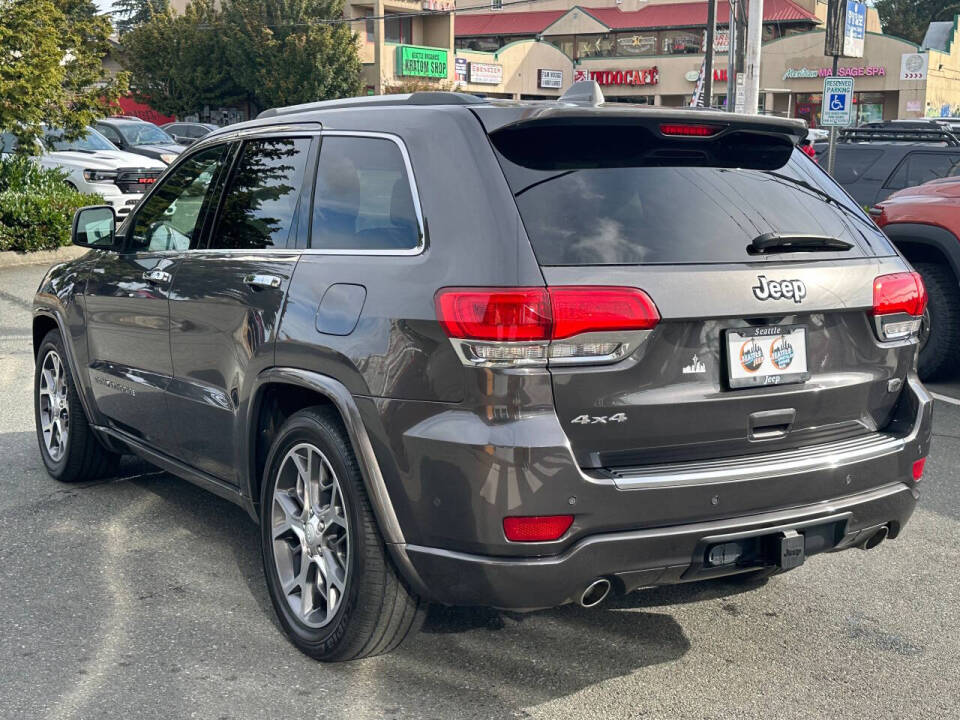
<point x="413" y="61"/>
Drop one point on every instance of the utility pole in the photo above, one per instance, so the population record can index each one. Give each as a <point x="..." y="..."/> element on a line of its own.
<point x="731" y="62"/>
<point x="752" y="70"/>
<point x="708" y="57"/>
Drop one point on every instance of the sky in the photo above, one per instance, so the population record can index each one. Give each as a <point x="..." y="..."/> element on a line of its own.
<point x="104" y="5"/>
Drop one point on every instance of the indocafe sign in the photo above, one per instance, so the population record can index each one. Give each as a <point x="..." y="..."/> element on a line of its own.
<point x="645" y="76"/>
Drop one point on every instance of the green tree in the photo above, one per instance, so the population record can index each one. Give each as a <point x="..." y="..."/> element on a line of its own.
<point x="129" y="14"/>
<point x="263" y="53"/>
<point x="51" y="70"/>
<point x="909" y="19"/>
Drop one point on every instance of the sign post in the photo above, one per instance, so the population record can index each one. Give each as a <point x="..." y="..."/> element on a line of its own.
<point x="836" y="110"/>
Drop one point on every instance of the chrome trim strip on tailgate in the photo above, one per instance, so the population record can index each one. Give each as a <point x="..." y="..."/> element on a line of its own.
<point x="822" y="457"/>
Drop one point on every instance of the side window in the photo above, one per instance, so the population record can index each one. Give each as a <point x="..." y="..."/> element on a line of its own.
<point x="363" y="199"/>
<point x="172" y="217"/>
<point x="920" y="167"/>
<point x="110" y="134"/>
<point x="262" y="200"/>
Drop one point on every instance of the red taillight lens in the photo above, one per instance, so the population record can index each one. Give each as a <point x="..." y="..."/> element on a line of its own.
<point x="600" y="309"/>
<point x="495" y="313"/>
<point x="899" y="293"/>
<point x="689" y="129"/>
<point x="918" y="469"/>
<point x="518" y="314"/>
<point x="536" y="528"/>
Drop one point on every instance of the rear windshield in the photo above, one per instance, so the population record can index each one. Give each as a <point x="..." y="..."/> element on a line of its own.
<point x="649" y="215"/>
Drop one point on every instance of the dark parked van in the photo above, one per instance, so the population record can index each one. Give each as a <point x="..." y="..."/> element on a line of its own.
<point x="512" y="354"/>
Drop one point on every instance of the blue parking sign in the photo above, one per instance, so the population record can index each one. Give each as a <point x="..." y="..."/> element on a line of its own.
<point x="837" y="108"/>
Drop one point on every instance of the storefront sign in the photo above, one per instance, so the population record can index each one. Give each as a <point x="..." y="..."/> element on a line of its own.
<point x="719" y="75"/>
<point x="692" y="75"/>
<point x="460" y="69"/>
<point x="863" y="71"/>
<point x="486" y="73"/>
<point x="854" y="28"/>
<point x="413" y="61"/>
<point x="837" y="107"/>
<point x="438" y="5"/>
<point x="914" y="106"/>
<point x="550" y="79"/>
<point x="913" y="66"/>
<point x="647" y="76"/>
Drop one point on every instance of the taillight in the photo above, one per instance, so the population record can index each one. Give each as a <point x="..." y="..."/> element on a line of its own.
<point x="898" y="304"/>
<point x="689" y="129"/>
<point x="531" y="326"/>
<point x="536" y="528"/>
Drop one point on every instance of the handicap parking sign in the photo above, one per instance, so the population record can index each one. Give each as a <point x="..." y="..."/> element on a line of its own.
<point x="838" y="106"/>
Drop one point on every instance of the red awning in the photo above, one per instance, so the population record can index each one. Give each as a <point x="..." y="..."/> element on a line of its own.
<point x="690" y="14"/>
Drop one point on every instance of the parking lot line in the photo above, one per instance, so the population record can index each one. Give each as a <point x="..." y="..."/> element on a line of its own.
<point x="945" y="398"/>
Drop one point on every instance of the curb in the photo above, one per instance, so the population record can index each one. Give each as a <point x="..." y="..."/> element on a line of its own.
<point x="11" y="258"/>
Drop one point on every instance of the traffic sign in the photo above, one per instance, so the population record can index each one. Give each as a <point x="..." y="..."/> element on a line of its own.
<point x="837" y="104"/>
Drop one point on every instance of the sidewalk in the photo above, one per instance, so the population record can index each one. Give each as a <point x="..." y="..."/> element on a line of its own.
<point x="10" y="258"/>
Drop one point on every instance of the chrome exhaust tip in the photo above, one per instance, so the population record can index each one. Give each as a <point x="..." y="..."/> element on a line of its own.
<point x="595" y="593"/>
<point x="878" y="537"/>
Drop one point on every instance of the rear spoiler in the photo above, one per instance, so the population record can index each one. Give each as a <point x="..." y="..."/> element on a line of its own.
<point x="559" y="136"/>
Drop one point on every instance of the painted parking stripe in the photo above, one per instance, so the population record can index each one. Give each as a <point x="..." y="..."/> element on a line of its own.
<point x="945" y="398"/>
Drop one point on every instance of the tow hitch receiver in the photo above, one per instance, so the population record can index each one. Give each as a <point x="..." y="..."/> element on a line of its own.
<point x="792" y="550"/>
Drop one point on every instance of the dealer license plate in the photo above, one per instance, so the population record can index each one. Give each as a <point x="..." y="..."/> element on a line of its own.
<point x="767" y="355"/>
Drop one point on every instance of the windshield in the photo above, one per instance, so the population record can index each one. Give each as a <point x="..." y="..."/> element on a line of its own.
<point x="144" y="134"/>
<point x="92" y="141"/>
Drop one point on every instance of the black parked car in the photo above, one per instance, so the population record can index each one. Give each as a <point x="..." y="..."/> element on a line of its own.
<point x="140" y="137"/>
<point x="187" y="133"/>
<point x="872" y="163"/>
<point x="495" y="353"/>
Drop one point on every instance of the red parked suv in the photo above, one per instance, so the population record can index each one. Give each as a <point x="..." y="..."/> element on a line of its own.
<point x="924" y="223"/>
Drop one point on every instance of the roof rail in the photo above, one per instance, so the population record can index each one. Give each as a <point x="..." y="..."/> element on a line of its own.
<point x="429" y="97"/>
<point x="891" y="134"/>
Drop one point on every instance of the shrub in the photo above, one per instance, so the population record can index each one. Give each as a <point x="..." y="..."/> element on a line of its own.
<point x="36" y="206"/>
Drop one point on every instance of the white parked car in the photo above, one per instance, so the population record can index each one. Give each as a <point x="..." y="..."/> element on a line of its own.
<point x="94" y="165"/>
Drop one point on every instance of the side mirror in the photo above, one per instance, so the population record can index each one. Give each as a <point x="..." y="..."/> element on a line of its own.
<point x="95" y="227"/>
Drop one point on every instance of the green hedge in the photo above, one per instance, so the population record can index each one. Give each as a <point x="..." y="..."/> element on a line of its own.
<point x="36" y="206"/>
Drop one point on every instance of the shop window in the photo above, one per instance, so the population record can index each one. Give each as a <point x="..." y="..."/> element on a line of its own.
<point x="594" y="46"/>
<point x="636" y="44"/>
<point x="771" y="32"/>
<point x="369" y="29"/>
<point x="681" y="42"/>
<point x="397" y="29"/>
<point x="483" y="44"/>
<point x="565" y="43"/>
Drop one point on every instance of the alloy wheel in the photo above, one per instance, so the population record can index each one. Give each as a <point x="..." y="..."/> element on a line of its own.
<point x="311" y="539"/>
<point x="54" y="405"/>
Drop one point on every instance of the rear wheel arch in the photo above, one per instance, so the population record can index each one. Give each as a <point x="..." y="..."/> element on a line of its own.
<point x="920" y="243"/>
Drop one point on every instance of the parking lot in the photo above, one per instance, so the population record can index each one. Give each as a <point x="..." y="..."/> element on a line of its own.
<point x="143" y="597"/>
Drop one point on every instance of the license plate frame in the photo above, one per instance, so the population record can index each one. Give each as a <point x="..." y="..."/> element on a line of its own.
<point x="780" y="357"/>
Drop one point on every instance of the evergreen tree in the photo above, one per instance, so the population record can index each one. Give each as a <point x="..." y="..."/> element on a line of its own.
<point x="909" y="19"/>
<point x="129" y="14"/>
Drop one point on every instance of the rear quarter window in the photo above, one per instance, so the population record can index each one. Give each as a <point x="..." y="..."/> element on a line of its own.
<point x="853" y="162"/>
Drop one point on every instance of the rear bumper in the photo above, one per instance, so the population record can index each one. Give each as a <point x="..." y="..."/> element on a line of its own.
<point x="658" y="556"/>
<point x="867" y="485"/>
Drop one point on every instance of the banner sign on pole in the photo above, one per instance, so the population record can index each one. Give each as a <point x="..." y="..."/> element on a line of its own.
<point x="854" y="29"/>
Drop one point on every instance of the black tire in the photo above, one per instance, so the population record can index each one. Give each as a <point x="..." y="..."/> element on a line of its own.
<point x="938" y="354"/>
<point x="376" y="611"/>
<point x="83" y="458"/>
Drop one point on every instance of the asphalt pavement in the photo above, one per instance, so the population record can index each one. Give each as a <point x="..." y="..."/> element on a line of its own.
<point x="143" y="597"/>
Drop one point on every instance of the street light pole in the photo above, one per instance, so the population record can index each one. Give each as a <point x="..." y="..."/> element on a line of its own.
<point x="754" y="37"/>
<point x="731" y="61"/>
<point x="708" y="57"/>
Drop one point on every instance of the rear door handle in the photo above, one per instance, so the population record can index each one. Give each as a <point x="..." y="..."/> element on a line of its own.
<point x="157" y="277"/>
<point x="263" y="281"/>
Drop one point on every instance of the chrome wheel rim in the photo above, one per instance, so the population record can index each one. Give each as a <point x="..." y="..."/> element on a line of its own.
<point x="311" y="538"/>
<point x="54" y="406"/>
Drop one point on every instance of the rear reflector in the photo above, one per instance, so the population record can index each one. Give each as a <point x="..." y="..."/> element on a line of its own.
<point x="689" y="129"/>
<point x="536" y="528"/>
<point x="899" y="293"/>
<point x="918" y="469"/>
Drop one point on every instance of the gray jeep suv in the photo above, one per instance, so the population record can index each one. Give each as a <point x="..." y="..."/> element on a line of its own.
<point x="513" y="354"/>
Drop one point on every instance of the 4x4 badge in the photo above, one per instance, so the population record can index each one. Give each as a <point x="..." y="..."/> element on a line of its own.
<point x="776" y="289"/>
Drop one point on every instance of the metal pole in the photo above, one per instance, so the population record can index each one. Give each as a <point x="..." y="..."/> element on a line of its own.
<point x="731" y="62"/>
<point x="751" y="95"/>
<point x="708" y="57"/>
<point x="832" y="147"/>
